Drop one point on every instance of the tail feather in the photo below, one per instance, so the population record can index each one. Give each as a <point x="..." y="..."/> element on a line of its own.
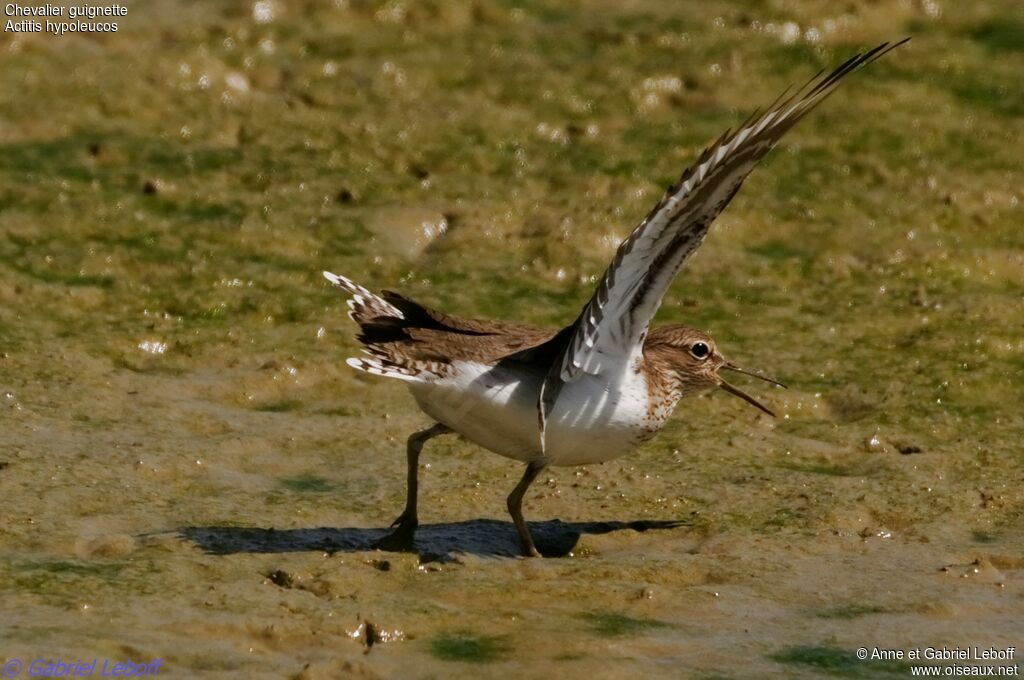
<point x="379" y="320"/>
<point x="364" y="306"/>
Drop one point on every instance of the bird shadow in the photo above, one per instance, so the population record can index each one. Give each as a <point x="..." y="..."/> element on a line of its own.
<point x="485" y="537"/>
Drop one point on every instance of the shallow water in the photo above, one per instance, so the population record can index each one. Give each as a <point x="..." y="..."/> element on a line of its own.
<point x="190" y="472"/>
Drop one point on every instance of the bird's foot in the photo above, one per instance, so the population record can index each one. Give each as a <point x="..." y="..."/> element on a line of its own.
<point x="530" y="550"/>
<point x="405" y="518"/>
<point x="401" y="539"/>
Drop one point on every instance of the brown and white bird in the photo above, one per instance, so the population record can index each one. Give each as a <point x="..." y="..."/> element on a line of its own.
<point x="597" y="388"/>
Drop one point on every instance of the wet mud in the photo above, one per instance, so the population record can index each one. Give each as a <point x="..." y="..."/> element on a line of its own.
<point x="190" y="472"/>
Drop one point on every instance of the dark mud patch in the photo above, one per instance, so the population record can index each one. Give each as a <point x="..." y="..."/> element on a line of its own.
<point x="852" y="611"/>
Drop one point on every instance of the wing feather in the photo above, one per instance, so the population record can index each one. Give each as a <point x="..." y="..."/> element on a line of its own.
<point x="614" y="322"/>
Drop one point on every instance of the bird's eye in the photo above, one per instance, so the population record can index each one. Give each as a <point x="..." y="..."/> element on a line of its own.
<point x="700" y="350"/>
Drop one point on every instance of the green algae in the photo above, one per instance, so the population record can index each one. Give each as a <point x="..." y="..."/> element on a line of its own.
<point x="616" y="624"/>
<point x="58" y="569"/>
<point x="838" y="662"/>
<point x="1002" y="35"/>
<point x="467" y="648"/>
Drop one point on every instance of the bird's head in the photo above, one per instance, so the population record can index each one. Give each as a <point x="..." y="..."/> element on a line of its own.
<point x="689" y="359"/>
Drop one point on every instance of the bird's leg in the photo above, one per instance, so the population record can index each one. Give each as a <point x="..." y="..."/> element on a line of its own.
<point x="401" y="538"/>
<point x="515" y="508"/>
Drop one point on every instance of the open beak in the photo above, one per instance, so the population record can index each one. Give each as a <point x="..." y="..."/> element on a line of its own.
<point x="743" y="395"/>
<point x="737" y="369"/>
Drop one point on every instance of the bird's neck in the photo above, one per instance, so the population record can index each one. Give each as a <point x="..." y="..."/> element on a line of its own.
<point x="663" y="387"/>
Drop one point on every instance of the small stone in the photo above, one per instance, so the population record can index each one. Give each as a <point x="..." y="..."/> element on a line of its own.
<point x="369" y="635"/>
<point x="873" y="444"/>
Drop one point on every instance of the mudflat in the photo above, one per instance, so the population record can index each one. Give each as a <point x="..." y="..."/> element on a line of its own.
<point x="189" y="472"/>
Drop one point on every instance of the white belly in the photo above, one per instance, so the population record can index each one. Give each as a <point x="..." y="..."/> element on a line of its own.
<point x="593" y="420"/>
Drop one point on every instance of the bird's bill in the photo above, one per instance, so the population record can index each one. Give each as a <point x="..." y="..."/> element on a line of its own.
<point x="744" y="396"/>
<point x="737" y="369"/>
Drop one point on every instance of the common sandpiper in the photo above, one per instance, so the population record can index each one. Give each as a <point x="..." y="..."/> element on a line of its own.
<point x="605" y="383"/>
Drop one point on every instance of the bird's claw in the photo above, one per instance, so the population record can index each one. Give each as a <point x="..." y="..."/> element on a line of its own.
<point x="402" y="539"/>
<point x="404" y="518"/>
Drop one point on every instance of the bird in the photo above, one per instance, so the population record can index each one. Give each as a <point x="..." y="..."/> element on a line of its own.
<point x="599" y="387"/>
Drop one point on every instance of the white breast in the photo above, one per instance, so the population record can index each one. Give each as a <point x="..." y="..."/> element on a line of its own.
<point x="595" y="419"/>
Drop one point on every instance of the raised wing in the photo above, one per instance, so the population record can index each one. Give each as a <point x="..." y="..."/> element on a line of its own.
<point x="614" y="323"/>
